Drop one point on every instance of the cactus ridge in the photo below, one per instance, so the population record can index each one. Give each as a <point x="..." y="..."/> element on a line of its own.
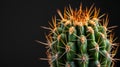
<point x="81" y="38"/>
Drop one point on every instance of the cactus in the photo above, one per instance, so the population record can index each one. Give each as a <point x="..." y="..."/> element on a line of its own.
<point x="80" y="38"/>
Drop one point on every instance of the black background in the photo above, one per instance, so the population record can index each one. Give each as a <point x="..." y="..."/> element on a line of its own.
<point x="21" y="26"/>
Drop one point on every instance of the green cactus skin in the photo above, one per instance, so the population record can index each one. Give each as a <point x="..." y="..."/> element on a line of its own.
<point x="80" y="39"/>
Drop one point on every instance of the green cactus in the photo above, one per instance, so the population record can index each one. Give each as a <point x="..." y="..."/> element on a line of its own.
<point x="80" y="38"/>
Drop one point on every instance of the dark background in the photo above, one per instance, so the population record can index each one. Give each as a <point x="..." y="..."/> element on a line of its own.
<point x="21" y="26"/>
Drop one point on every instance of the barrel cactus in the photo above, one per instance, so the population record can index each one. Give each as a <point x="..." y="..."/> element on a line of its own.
<point x="80" y="38"/>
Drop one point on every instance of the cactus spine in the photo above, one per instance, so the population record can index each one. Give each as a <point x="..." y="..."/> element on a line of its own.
<point x="80" y="38"/>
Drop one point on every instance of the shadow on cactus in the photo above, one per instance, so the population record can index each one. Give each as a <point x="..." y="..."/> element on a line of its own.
<point x="80" y="38"/>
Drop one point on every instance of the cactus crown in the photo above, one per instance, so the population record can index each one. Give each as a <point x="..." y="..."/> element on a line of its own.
<point x="81" y="38"/>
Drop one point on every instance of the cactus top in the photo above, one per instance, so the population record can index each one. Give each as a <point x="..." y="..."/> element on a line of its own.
<point x="81" y="38"/>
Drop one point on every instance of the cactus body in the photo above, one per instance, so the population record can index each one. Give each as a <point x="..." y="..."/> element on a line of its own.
<point x="80" y="39"/>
